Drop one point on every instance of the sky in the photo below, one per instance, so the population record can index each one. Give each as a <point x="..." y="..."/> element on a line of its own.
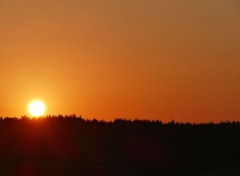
<point x="157" y="59"/>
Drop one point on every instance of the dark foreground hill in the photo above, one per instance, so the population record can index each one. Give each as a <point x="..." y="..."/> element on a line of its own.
<point x="73" y="146"/>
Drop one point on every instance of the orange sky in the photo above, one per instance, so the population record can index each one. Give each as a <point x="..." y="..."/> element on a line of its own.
<point x="103" y="59"/>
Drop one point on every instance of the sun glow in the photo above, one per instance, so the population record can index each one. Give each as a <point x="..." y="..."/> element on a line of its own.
<point x="37" y="108"/>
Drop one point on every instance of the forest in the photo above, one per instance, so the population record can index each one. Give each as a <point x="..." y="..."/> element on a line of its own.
<point x="71" y="145"/>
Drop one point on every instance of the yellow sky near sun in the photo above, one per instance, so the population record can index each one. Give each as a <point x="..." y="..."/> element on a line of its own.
<point x="135" y="59"/>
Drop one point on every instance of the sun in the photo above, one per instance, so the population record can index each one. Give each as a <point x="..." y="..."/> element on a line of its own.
<point x="37" y="108"/>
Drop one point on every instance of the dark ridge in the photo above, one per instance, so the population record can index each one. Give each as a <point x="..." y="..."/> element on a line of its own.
<point x="117" y="120"/>
<point x="71" y="145"/>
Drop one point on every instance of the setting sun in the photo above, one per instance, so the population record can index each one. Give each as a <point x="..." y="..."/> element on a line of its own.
<point x="37" y="108"/>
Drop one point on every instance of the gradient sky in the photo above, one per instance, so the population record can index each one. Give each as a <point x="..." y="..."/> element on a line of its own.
<point x="153" y="59"/>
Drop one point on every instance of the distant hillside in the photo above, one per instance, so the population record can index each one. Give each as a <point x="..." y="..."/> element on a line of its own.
<point x="70" y="145"/>
<point x="224" y="172"/>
